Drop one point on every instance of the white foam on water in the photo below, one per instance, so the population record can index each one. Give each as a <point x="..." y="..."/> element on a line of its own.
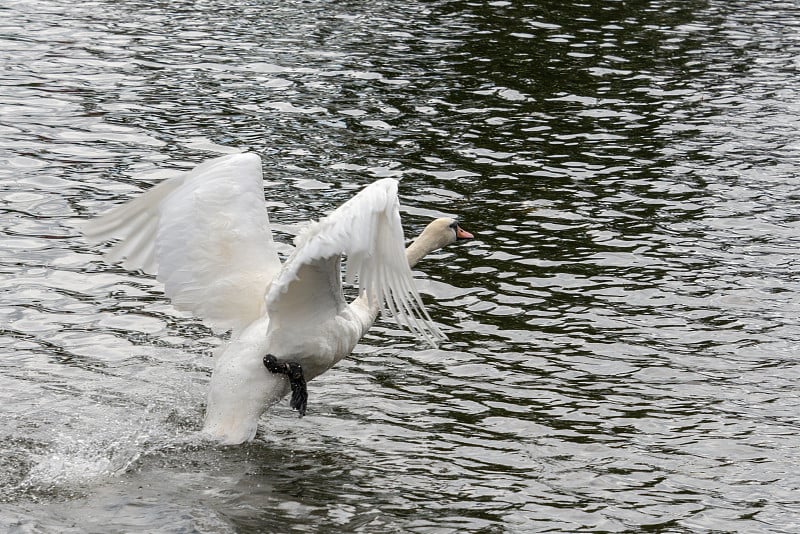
<point x="108" y="449"/>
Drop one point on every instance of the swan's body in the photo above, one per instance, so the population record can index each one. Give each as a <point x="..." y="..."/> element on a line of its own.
<point x="206" y="235"/>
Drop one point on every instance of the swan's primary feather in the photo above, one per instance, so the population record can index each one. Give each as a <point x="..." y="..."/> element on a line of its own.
<point x="367" y="229"/>
<point x="206" y="234"/>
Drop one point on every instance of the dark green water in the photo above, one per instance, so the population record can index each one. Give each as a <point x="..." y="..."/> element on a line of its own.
<point x="623" y="331"/>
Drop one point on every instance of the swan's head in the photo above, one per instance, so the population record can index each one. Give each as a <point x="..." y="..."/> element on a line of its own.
<point x="439" y="233"/>
<point x="442" y="232"/>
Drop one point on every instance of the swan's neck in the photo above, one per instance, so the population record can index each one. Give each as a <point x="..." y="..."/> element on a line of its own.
<point x="421" y="247"/>
<point x="367" y="309"/>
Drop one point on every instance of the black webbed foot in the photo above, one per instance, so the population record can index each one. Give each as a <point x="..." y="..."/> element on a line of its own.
<point x="273" y="366"/>
<point x="297" y="381"/>
<point x="299" y="390"/>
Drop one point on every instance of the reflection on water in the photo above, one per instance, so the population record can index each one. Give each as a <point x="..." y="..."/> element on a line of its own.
<point x="622" y="332"/>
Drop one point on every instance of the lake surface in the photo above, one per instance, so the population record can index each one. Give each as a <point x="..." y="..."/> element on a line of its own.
<point x="624" y="330"/>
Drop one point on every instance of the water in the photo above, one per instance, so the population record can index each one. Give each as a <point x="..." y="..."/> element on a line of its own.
<point x="623" y="330"/>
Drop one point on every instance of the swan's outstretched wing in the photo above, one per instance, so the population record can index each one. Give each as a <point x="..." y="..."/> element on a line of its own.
<point x="368" y="231"/>
<point x="206" y="235"/>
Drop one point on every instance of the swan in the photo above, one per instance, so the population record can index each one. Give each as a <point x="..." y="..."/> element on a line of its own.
<point x="205" y="234"/>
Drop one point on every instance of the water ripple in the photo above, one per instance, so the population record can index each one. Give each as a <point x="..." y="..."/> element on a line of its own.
<point x="622" y="329"/>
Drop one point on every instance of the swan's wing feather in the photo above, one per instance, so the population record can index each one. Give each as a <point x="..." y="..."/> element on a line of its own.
<point x="206" y="235"/>
<point x="367" y="229"/>
<point x="135" y="223"/>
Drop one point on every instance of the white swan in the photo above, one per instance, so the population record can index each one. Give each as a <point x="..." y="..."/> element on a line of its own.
<point x="206" y="235"/>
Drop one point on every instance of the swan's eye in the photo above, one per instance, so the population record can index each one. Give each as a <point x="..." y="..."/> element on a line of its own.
<point x="454" y="225"/>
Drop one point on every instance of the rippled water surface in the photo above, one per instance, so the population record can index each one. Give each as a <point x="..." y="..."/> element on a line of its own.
<point x="623" y="331"/>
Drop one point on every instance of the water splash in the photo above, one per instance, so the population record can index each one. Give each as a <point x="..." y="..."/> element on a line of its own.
<point x="110" y="448"/>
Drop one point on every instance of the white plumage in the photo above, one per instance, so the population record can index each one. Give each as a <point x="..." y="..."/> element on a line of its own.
<point x="206" y="236"/>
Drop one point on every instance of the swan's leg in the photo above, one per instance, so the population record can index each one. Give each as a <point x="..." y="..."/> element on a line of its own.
<point x="296" y="380"/>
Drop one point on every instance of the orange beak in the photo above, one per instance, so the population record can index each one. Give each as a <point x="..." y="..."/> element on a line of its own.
<point x="463" y="234"/>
